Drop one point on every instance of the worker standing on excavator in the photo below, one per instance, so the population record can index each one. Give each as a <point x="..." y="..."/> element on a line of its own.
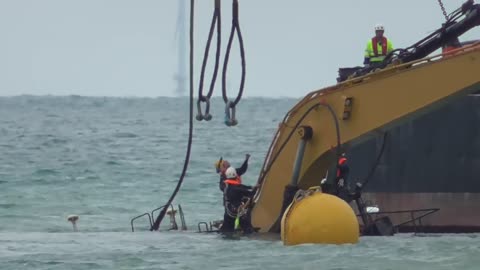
<point x="377" y="47"/>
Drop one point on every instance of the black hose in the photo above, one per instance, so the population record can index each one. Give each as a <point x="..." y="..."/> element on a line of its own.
<point x="161" y="215"/>
<point x="337" y="128"/>
<point x="216" y="21"/>
<point x="235" y="26"/>
<point x="377" y="161"/>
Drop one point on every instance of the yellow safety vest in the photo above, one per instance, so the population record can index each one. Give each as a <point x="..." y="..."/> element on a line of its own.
<point x="377" y="49"/>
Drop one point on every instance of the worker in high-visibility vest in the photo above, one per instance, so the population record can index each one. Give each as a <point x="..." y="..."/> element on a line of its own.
<point x="377" y="47"/>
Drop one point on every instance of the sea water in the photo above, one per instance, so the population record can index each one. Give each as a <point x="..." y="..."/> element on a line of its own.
<point x="108" y="160"/>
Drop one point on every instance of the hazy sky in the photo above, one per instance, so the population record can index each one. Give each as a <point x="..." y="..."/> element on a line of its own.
<point x="128" y="47"/>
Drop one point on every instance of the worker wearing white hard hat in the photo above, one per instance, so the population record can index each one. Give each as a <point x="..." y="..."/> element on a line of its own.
<point x="379" y="27"/>
<point x="237" y="202"/>
<point x="377" y="47"/>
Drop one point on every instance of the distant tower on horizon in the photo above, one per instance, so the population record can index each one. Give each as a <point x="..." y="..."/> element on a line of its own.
<point x="181" y="40"/>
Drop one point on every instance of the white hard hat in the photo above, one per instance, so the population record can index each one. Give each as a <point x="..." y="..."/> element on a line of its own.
<point x="379" y="27"/>
<point x="231" y="173"/>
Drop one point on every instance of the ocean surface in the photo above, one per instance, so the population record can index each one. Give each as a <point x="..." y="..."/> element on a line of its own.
<point x="111" y="159"/>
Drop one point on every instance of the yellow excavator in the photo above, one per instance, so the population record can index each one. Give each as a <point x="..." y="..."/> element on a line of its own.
<point x="301" y="193"/>
<point x="364" y="103"/>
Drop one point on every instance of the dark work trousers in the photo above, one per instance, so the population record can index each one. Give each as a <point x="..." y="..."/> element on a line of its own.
<point x="229" y="223"/>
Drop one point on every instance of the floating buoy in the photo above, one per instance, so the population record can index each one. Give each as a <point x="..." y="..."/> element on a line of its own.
<point x="73" y="219"/>
<point x="320" y="218"/>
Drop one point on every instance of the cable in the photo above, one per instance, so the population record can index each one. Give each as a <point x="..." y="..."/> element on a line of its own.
<point x="337" y="128"/>
<point x="377" y="161"/>
<point x="230" y="117"/>
<point x="216" y="21"/>
<point x="161" y="215"/>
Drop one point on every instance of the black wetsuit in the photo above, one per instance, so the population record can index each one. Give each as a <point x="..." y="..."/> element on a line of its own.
<point x="341" y="191"/>
<point x="240" y="171"/>
<point x="344" y="192"/>
<point x="344" y="172"/>
<point x="234" y="195"/>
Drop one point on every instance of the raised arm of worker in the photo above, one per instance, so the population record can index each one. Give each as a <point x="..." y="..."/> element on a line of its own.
<point x="244" y="166"/>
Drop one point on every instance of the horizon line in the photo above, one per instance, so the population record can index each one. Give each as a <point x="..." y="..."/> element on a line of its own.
<point x="138" y="97"/>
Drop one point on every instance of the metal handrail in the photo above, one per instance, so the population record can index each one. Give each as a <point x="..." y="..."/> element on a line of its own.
<point x="144" y="214"/>
<point x="182" y="218"/>
<point x="206" y="226"/>
<point x="159" y="208"/>
<point x="428" y="211"/>
<point x="150" y="216"/>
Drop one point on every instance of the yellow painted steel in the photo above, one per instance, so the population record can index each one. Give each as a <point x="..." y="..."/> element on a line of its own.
<point x="380" y="100"/>
<point x="319" y="218"/>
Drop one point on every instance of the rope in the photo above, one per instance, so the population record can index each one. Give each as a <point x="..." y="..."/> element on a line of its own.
<point x="161" y="215"/>
<point x="201" y="98"/>
<point x="236" y="212"/>
<point x="241" y="211"/>
<point x="302" y="194"/>
<point x="230" y="117"/>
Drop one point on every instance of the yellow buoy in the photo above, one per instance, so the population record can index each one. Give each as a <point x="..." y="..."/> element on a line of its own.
<point x="316" y="217"/>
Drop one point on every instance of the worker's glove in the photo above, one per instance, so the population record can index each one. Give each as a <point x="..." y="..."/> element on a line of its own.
<point x="358" y="186"/>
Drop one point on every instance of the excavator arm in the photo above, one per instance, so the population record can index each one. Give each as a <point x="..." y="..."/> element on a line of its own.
<point x="459" y="22"/>
<point x="346" y="114"/>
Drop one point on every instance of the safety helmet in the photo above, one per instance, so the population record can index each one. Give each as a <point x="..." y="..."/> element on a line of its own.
<point x="218" y="163"/>
<point x="379" y="27"/>
<point x="342" y="160"/>
<point x="221" y="165"/>
<point x="231" y="173"/>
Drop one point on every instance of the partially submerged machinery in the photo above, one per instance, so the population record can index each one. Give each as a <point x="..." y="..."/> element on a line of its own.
<point x="366" y="102"/>
<point x="299" y="194"/>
